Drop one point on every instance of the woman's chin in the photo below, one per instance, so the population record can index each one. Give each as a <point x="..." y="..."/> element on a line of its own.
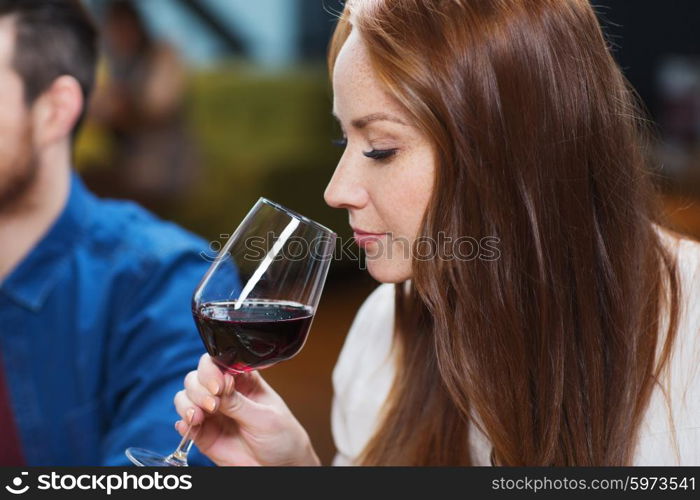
<point x="388" y="271"/>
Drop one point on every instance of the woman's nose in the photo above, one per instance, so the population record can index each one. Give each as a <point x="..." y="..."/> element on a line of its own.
<point x="345" y="190"/>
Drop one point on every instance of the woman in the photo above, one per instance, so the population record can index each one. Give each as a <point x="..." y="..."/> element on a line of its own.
<point x="577" y="343"/>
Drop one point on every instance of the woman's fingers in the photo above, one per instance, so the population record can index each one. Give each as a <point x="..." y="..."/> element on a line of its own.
<point x="254" y="415"/>
<point x="246" y="398"/>
<point x="199" y="394"/>
<point x="253" y="386"/>
<point x="248" y="421"/>
<point x="210" y="375"/>
<point x="181" y="427"/>
<point x="202" y="435"/>
<point x="187" y="410"/>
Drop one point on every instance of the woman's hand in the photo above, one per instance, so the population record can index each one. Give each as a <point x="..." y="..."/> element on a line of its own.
<point x="242" y="421"/>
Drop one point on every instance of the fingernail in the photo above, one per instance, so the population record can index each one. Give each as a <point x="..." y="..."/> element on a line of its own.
<point x="210" y="403"/>
<point x="215" y="388"/>
<point x="190" y="415"/>
<point x="229" y="381"/>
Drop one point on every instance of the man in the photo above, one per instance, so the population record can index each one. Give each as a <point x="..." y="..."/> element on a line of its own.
<point x="96" y="332"/>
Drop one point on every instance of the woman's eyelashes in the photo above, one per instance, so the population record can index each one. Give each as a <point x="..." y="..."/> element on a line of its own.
<point x="375" y="154"/>
<point x="380" y="154"/>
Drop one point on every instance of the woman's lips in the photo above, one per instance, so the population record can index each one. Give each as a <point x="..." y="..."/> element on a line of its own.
<point x="363" y="238"/>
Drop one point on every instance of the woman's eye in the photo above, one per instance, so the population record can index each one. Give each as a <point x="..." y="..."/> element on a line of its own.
<point x="375" y="154"/>
<point x="380" y="154"/>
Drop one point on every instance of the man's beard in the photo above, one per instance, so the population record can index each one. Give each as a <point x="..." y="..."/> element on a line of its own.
<point x="20" y="175"/>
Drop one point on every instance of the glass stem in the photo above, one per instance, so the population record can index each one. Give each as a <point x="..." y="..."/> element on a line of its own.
<point x="178" y="458"/>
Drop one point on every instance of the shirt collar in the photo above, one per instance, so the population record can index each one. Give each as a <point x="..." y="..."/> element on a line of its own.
<point x="32" y="280"/>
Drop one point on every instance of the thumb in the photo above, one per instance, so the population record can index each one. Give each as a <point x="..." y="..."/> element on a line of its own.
<point x="249" y="414"/>
<point x="253" y="386"/>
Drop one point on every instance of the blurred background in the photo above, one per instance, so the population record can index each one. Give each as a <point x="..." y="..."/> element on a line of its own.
<point x="203" y="106"/>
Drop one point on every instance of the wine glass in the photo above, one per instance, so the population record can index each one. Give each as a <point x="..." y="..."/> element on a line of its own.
<point x="255" y="305"/>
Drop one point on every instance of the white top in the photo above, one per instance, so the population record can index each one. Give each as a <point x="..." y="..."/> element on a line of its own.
<point x="365" y="369"/>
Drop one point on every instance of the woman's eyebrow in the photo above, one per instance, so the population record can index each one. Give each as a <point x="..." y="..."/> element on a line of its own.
<point x="374" y="117"/>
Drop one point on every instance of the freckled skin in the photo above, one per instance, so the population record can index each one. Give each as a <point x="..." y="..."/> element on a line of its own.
<point x="380" y="195"/>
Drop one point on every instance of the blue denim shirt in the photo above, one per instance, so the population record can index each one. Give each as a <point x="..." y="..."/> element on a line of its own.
<point x="96" y="333"/>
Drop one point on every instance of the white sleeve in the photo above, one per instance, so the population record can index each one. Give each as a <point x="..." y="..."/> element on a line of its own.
<point x="362" y="377"/>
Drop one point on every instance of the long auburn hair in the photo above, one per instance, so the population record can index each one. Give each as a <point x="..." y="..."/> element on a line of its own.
<point x="552" y="350"/>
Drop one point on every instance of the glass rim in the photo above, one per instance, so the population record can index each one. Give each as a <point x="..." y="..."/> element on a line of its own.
<point x="297" y="215"/>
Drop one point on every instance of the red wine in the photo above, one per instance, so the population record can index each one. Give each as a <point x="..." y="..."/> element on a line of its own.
<point x="258" y="334"/>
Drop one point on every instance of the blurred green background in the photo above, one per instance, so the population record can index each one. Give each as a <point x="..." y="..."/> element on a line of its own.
<point x="258" y="134"/>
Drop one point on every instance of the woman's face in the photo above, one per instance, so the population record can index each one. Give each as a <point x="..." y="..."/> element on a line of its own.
<point x="385" y="176"/>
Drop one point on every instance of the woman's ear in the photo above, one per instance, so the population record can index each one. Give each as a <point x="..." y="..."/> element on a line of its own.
<point x="57" y="110"/>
